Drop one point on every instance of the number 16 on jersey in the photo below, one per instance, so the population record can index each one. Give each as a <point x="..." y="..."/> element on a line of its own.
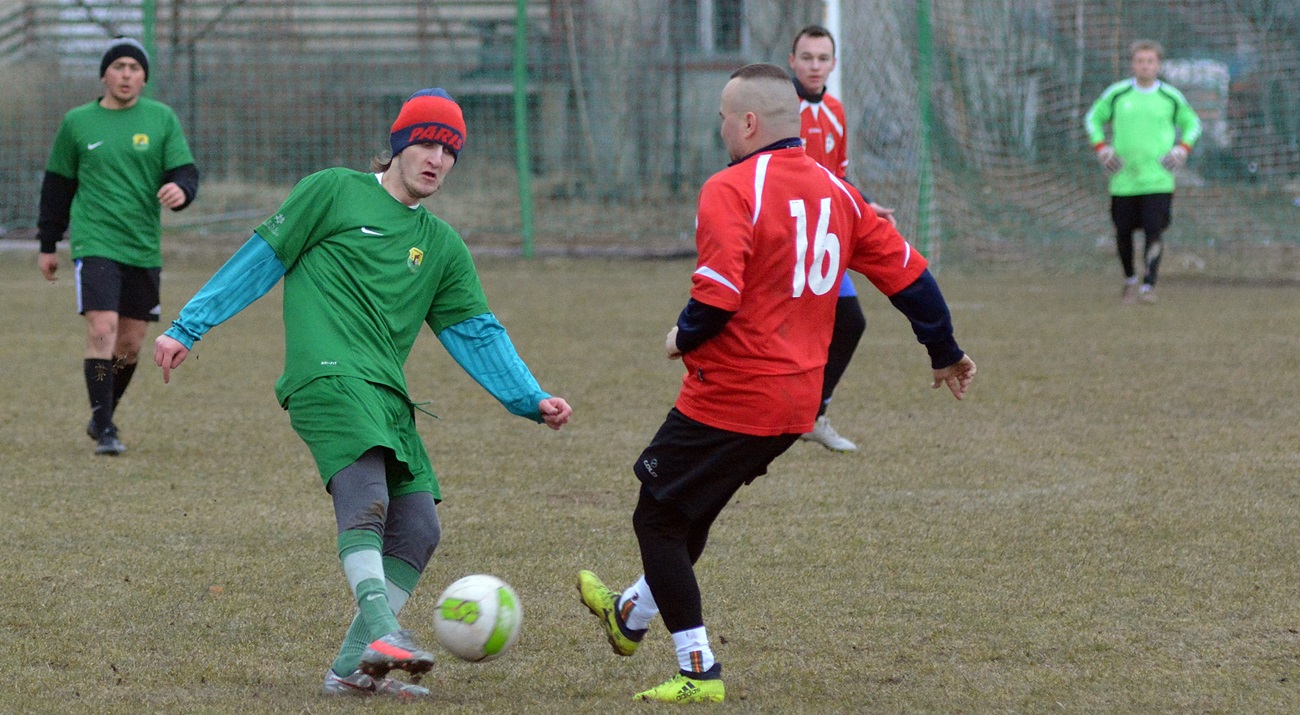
<point x="821" y="276"/>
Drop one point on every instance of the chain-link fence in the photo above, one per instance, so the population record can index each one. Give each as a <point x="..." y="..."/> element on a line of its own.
<point x="621" y="102"/>
<point x="1011" y="81"/>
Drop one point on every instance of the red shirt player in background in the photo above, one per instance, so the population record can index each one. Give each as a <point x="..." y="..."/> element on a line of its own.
<point x="775" y="232"/>
<point x="824" y="133"/>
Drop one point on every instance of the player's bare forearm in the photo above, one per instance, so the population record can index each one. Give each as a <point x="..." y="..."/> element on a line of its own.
<point x="956" y="376"/>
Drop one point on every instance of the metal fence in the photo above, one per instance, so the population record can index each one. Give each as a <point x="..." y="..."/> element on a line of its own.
<point x="966" y="115"/>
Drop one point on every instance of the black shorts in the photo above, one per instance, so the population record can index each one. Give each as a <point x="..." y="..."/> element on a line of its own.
<point x="1149" y="212"/>
<point x="105" y="284"/>
<point x="698" y="468"/>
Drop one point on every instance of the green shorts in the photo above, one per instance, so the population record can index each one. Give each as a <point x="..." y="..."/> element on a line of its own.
<point x="341" y="418"/>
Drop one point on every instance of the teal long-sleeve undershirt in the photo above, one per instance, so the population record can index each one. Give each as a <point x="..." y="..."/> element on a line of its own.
<point x="248" y="275"/>
<point x="481" y="346"/>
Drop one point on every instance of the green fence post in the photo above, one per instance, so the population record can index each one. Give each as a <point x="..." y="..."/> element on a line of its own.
<point x="148" y="17"/>
<point x="522" y="152"/>
<point x="925" y="179"/>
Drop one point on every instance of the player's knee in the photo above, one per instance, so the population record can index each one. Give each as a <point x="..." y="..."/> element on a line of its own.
<point x="413" y="531"/>
<point x="655" y="520"/>
<point x="370" y="517"/>
<point x="425" y="538"/>
<point x="101" y="328"/>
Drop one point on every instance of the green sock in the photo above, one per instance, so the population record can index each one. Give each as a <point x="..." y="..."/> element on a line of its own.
<point x="358" y="636"/>
<point x="359" y="550"/>
<point x="401" y="580"/>
<point x="400" y="574"/>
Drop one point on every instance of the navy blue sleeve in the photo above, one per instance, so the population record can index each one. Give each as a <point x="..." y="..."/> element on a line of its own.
<point x="56" y="206"/>
<point x="923" y="304"/>
<point x="698" y="322"/>
<point x="185" y="176"/>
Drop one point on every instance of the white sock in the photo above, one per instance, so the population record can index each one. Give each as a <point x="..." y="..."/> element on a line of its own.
<point x="693" y="652"/>
<point x="643" y="609"/>
<point x="396" y="597"/>
<point x="363" y="565"/>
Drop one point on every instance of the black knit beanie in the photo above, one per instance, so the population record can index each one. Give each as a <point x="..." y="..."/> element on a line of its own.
<point x="125" y="47"/>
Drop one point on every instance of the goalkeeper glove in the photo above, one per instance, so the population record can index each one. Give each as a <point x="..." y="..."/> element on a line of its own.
<point x="1109" y="160"/>
<point x="1175" y="158"/>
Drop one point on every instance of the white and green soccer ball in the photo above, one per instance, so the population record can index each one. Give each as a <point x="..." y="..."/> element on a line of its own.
<point x="478" y="618"/>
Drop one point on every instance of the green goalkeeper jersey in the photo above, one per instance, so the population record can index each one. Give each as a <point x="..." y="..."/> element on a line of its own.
<point x="363" y="272"/>
<point x="1145" y="125"/>
<point x="118" y="158"/>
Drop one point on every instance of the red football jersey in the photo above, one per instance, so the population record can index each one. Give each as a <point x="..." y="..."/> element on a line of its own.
<point x="822" y="128"/>
<point x="774" y="234"/>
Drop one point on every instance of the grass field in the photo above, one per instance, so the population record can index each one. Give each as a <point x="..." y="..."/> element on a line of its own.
<point x="1108" y="523"/>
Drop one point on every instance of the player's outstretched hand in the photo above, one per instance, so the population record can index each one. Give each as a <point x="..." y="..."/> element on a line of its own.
<point x="555" y="412"/>
<point x="956" y="376"/>
<point x="168" y="354"/>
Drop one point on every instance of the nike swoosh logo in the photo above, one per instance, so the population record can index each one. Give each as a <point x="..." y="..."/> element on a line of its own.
<point x="94" y="146"/>
<point x="373" y="596"/>
<point x="370" y="232"/>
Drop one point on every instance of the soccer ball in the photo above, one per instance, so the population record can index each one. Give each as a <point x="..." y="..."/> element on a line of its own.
<point x="478" y="618"/>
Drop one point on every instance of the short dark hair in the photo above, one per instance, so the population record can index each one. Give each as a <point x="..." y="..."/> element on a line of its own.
<point x="761" y="70"/>
<point x="813" y="31"/>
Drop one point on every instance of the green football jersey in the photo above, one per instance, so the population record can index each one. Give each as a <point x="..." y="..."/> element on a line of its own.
<point x="118" y="157"/>
<point x="363" y="272"/>
<point x="1145" y="125"/>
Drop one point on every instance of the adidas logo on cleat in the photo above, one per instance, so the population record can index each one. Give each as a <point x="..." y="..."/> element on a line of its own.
<point x="688" y="691"/>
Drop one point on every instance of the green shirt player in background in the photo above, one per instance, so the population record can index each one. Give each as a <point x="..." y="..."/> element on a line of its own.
<point x="115" y="161"/>
<point x="1152" y="130"/>
<point x="364" y="267"/>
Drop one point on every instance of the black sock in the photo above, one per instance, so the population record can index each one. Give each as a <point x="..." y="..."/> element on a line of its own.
<point x="713" y="673"/>
<point x="122" y="373"/>
<point x="99" y="386"/>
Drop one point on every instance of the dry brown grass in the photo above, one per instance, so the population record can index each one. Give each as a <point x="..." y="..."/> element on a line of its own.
<point x="1107" y="524"/>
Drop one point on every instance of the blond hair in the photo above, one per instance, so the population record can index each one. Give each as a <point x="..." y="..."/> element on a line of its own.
<point x="1146" y="46"/>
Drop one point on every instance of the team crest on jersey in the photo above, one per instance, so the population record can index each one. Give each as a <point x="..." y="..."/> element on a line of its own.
<point x="140" y="142"/>
<point x="414" y="259"/>
<point x="275" y="223"/>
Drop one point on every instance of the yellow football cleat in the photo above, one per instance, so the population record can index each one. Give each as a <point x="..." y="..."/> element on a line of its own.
<point x="603" y="603"/>
<point x="685" y="689"/>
